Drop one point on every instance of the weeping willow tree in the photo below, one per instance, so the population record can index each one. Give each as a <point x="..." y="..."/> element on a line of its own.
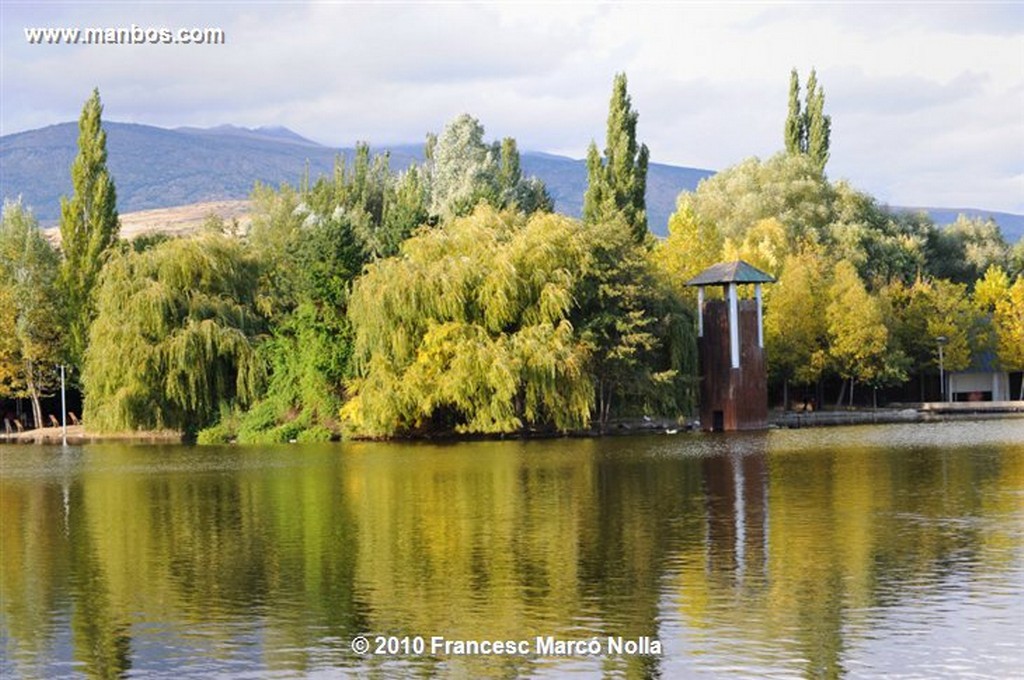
<point x="174" y="335"/>
<point x="498" y="322"/>
<point x="467" y="330"/>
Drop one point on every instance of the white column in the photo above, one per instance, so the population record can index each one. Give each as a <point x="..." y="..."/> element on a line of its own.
<point x="760" y="316"/>
<point x="734" y="326"/>
<point x="740" y="511"/>
<point x="700" y="311"/>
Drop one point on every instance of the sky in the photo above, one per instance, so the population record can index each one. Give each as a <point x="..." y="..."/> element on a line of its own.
<point x="926" y="99"/>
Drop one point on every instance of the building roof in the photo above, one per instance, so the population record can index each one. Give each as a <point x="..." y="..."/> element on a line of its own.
<point x="730" y="272"/>
<point x="986" y="361"/>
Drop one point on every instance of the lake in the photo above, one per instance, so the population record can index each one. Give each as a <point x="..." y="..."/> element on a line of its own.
<point x="845" y="552"/>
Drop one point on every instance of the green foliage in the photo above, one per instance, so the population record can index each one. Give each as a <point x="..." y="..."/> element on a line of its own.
<point x="1009" y="324"/>
<point x="930" y="309"/>
<point x="808" y="131"/>
<point x="382" y="207"/>
<point x="859" y="342"/>
<point x="465" y="171"/>
<point x="405" y="210"/>
<point x="748" y="203"/>
<point x="257" y="421"/>
<point x="467" y="330"/>
<point x="988" y="292"/>
<point x="316" y="433"/>
<point x="817" y="125"/>
<point x="616" y="185"/>
<point x="174" y="337"/>
<point x="765" y="245"/>
<point x="308" y="356"/>
<point x="1016" y="263"/>
<point x="795" y="324"/>
<point x="968" y="247"/>
<point x="224" y="431"/>
<point x="88" y="226"/>
<point x="147" y="241"/>
<point x="787" y="188"/>
<point x="794" y="130"/>
<point x="498" y="322"/>
<point x="990" y="289"/>
<point x="30" y="329"/>
<point x="693" y="244"/>
<point x="430" y="312"/>
<point x="638" y="330"/>
<point x="950" y="315"/>
<point x="11" y="381"/>
<point x="771" y="212"/>
<point x="1002" y="304"/>
<point x="313" y="245"/>
<point x="882" y="245"/>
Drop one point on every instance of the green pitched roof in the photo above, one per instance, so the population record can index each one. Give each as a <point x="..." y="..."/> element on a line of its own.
<point x="730" y="272"/>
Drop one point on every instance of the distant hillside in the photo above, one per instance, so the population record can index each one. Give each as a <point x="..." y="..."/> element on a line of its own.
<point x="159" y="168"/>
<point x="1011" y="225"/>
<point x="156" y="168"/>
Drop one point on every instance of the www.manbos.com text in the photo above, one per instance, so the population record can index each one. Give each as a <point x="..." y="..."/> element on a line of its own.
<point x="125" y="35"/>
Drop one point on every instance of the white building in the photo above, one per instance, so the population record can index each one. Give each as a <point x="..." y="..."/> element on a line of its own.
<point x="982" y="381"/>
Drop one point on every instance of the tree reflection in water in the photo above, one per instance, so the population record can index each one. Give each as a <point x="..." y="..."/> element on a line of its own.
<point x="754" y="553"/>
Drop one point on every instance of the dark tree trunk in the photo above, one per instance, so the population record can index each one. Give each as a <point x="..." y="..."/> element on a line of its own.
<point x="842" y="394"/>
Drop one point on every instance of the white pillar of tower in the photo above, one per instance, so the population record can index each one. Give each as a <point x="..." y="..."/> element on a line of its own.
<point x="734" y="326"/>
<point x="700" y="311"/>
<point x="760" y="316"/>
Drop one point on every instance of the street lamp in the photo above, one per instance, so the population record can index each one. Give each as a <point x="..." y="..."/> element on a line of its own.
<point x="942" y="340"/>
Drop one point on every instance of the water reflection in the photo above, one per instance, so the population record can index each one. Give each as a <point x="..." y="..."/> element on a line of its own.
<point x="807" y="553"/>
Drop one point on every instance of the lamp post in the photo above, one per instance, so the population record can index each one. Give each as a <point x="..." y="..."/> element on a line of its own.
<point x="941" y="341"/>
<point x="63" y="410"/>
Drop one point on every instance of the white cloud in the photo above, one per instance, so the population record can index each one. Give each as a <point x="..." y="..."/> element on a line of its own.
<point x="926" y="99"/>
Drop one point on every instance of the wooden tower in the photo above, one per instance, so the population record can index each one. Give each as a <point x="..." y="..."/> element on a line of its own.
<point x="734" y="383"/>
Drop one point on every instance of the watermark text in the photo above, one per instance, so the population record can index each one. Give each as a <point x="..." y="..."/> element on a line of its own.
<point x="125" y="35"/>
<point x="541" y="645"/>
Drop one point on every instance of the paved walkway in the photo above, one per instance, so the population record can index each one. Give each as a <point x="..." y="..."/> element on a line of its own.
<point x="907" y="413"/>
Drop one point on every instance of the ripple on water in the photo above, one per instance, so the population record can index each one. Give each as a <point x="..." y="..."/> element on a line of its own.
<point x="861" y="551"/>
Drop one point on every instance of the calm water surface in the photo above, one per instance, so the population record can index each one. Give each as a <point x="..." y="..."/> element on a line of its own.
<point x="858" y="552"/>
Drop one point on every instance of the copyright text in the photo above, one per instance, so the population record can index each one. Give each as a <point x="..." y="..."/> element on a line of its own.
<point x="541" y="645"/>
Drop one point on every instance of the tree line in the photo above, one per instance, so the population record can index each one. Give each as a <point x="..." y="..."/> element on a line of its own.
<point x="447" y="297"/>
<point x="864" y="294"/>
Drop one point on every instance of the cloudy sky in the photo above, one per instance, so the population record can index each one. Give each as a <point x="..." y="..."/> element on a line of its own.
<point x="926" y="99"/>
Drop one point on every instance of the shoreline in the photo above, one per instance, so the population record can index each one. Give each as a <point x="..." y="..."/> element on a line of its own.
<point x="77" y="434"/>
<point x="927" y="412"/>
<point x="910" y="413"/>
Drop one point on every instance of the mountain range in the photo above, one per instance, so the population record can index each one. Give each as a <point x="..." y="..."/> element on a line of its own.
<point x="158" y="167"/>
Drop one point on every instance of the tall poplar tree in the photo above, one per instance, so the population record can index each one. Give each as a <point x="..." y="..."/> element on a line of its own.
<point x="794" y="133"/>
<point x="808" y="131"/>
<point x="818" y="126"/>
<point x="616" y="185"/>
<point x="88" y="225"/>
